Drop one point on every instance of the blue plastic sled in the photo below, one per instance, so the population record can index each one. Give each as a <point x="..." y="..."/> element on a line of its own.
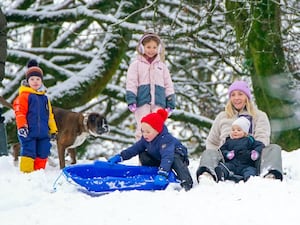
<point x="103" y="177"/>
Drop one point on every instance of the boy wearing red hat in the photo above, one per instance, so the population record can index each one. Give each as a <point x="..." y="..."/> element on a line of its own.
<point x="158" y="147"/>
<point x="35" y="120"/>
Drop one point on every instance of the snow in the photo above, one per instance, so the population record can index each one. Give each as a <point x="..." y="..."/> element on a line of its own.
<point x="30" y="199"/>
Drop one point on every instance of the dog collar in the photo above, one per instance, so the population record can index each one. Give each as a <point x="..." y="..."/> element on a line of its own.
<point x="85" y="122"/>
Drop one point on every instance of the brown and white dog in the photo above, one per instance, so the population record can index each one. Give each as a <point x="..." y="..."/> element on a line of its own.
<point x="73" y="130"/>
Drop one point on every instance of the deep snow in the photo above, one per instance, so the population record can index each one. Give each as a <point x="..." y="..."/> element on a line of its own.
<point x="30" y="199"/>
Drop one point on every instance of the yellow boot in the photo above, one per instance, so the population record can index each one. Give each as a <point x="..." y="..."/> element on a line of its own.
<point x="26" y="164"/>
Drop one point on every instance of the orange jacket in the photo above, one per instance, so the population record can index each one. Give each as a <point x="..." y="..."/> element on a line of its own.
<point x="33" y="110"/>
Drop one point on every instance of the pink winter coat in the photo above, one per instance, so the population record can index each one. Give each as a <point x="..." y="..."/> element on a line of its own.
<point x="149" y="83"/>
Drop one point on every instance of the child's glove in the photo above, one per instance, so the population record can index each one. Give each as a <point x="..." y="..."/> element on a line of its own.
<point x="230" y="155"/>
<point x="115" y="159"/>
<point x="161" y="178"/>
<point x="23" y="132"/>
<point x="254" y="155"/>
<point x="132" y="107"/>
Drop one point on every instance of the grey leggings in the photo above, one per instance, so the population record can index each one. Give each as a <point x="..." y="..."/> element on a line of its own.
<point x="271" y="162"/>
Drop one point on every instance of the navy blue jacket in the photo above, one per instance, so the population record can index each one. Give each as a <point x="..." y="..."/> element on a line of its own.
<point x="242" y="150"/>
<point x="162" y="148"/>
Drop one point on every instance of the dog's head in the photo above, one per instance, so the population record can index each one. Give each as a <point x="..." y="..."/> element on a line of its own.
<point x="97" y="124"/>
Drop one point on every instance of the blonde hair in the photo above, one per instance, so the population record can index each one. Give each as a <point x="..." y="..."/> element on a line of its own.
<point x="150" y="36"/>
<point x="249" y="107"/>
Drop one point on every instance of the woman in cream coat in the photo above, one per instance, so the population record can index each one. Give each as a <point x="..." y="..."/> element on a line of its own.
<point x="240" y="104"/>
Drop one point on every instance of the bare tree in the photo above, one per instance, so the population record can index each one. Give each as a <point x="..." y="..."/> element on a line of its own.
<point x="85" y="48"/>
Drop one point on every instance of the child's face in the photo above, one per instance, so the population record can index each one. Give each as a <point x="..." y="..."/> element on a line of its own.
<point x="35" y="82"/>
<point x="148" y="132"/>
<point x="151" y="48"/>
<point x="237" y="132"/>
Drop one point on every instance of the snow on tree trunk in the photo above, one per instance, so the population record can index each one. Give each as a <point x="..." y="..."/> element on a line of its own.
<point x="258" y="29"/>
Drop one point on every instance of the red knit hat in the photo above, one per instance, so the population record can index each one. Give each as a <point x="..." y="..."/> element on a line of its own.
<point x="156" y="120"/>
<point x="33" y="69"/>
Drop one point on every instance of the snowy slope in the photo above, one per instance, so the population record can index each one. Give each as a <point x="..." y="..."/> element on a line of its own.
<point x="28" y="199"/>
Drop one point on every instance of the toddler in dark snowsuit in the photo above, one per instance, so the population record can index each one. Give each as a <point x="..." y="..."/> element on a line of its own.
<point x="241" y="152"/>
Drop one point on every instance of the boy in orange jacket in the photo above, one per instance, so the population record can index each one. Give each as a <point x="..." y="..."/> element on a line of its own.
<point x="35" y="120"/>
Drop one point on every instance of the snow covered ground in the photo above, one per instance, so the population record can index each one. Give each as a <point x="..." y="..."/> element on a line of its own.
<point x="29" y="199"/>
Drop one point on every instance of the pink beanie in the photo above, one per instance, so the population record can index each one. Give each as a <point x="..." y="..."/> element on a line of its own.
<point x="240" y="86"/>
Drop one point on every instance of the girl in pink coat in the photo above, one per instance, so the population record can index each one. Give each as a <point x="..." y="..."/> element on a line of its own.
<point x="149" y="85"/>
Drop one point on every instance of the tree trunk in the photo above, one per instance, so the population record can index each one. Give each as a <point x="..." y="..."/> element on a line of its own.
<point x="260" y="38"/>
<point x="99" y="70"/>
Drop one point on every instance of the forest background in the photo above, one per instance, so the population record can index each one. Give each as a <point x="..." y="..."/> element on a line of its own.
<point x="85" y="47"/>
